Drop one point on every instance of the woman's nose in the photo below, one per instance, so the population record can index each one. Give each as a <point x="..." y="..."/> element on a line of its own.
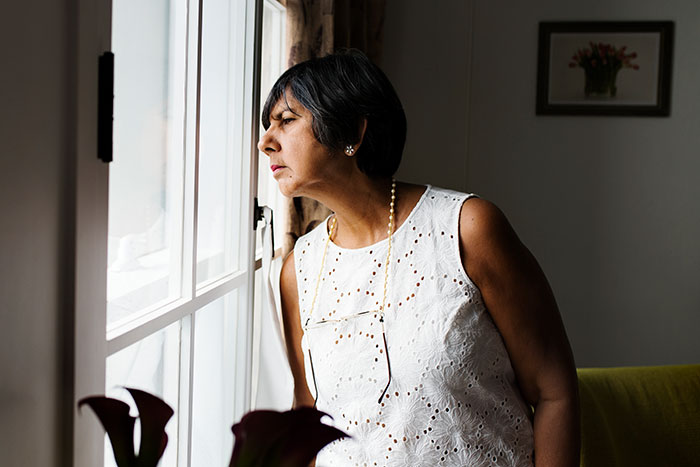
<point x="268" y="144"/>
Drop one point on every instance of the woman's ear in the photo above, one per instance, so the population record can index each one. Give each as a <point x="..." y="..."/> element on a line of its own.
<point x="351" y="148"/>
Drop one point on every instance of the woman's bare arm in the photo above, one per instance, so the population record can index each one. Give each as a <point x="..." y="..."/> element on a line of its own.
<point x="293" y="332"/>
<point x="522" y="305"/>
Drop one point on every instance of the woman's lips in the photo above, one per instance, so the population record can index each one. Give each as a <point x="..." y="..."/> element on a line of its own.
<point x="275" y="168"/>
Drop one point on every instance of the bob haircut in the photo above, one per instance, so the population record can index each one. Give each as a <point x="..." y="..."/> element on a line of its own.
<point x="340" y="90"/>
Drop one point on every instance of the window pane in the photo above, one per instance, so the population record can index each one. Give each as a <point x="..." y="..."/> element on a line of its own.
<point x="271" y="67"/>
<point x="213" y="389"/>
<point x="153" y="365"/>
<point x="145" y="193"/>
<point x="220" y="143"/>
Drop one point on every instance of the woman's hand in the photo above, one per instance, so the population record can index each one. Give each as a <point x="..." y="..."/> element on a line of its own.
<point x="522" y="305"/>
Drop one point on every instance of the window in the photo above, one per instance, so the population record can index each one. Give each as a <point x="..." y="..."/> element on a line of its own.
<point x="272" y="65"/>
<point x="180" y="243"/>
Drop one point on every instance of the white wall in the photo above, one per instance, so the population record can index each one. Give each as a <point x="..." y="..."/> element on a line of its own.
<point x="421" y="70"/>
<point x="609" y="205"/>
<point x="33" y="202"/>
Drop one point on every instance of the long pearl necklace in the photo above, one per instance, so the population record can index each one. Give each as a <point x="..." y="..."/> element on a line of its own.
<point x="390" y="231"/>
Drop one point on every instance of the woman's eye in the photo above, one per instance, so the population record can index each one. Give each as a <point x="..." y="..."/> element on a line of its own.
<point x="286" y="120"/>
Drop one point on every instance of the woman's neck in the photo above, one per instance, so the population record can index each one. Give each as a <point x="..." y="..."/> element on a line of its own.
<point x="361" y="207"/>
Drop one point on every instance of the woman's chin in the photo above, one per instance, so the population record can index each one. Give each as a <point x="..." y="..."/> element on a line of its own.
<point x="287" y="187"/>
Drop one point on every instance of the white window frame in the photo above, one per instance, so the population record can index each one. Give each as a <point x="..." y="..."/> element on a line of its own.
<point x="90" y="344"/>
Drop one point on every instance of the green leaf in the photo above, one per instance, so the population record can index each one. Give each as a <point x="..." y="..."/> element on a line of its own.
<point x="285" y="439"/>
<point x="119" y="425"/>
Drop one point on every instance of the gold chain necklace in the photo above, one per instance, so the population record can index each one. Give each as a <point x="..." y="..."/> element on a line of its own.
<point x="390" y="231"/>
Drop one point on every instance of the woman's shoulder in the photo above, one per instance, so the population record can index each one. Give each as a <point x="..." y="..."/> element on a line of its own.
<point x="436" y="192"/>
<point x="481" y="217"/>
<point x="440" y="204"/>
<point x="486" y="237"/>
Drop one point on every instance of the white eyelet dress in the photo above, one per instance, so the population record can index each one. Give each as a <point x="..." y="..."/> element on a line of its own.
<point x="453" y="399"/>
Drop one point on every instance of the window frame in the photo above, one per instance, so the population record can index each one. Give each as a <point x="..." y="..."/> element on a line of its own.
<point x="90" y="344"/>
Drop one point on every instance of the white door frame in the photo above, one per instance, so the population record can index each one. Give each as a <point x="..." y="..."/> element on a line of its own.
<point x="91" y="192"/>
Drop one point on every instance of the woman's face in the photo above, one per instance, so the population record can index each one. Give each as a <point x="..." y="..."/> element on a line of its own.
<point x="300" y="164"/>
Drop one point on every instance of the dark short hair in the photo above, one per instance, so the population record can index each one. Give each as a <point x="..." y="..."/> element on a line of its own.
<point x="340" y="90"/>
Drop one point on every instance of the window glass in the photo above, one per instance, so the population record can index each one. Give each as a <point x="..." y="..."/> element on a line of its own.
<point x="214" y="382"/>
<point x="145" y="181"/>
<point x="220" y="139"/>
<point x="153" y="365"/>
<point x="271" y="67"/>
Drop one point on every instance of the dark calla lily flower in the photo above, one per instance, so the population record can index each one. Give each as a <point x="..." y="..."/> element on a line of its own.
<point x="285" y="439"/>
<point x="154" y="414"/>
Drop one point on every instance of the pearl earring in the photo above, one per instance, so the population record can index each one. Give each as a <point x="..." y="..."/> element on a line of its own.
<point x="349" y="150"/>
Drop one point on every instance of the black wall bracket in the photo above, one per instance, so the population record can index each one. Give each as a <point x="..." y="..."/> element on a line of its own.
<point x="105" y="106"/>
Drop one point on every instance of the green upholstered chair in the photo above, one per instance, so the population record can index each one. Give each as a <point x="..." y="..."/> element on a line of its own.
<point x="640" y="416"/>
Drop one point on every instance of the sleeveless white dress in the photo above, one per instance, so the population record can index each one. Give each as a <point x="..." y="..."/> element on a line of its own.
<point x="452" y="399"/>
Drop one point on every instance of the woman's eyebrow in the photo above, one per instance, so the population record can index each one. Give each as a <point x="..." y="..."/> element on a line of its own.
<point x="278" y="115"/>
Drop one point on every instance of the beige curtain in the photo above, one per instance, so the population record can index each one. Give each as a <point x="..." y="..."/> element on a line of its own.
<point x="316" y="28"/>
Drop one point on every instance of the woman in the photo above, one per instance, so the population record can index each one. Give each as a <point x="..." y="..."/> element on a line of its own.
<point x="413" y="315"/>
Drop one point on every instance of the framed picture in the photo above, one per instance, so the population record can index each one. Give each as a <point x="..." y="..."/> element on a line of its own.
<point x="604" y="68"/>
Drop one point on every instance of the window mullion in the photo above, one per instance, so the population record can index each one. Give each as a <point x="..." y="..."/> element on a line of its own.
<point x="189" y="245"/>
<point x="142" y="328"/>
<point x="186" y="392"/>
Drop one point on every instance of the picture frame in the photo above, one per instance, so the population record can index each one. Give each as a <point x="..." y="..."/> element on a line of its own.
<point x="604" y="68"/>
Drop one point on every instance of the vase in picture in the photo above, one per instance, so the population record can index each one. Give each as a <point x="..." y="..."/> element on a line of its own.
<point x="601" y="62"/>
<point x="600" y="83"/>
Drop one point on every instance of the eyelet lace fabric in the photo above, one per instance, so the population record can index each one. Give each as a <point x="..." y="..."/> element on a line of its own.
<point x="453" y="399"/>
